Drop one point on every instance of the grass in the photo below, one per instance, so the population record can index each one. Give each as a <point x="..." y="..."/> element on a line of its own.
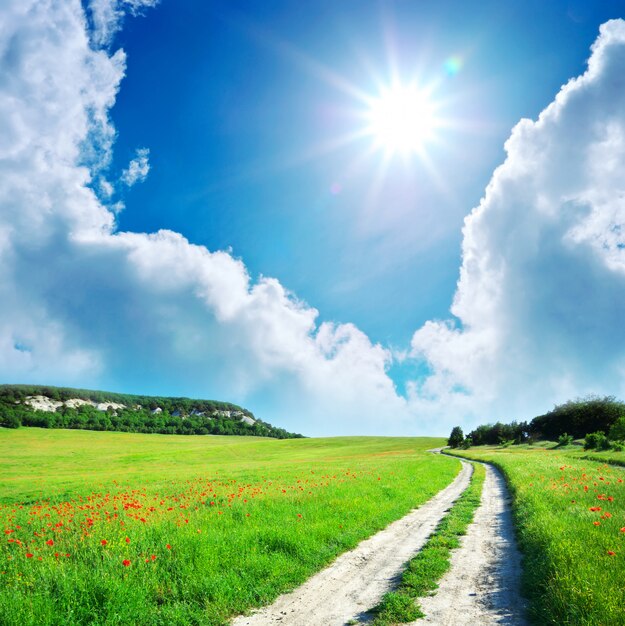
<point x="427" y="568"/>
<point x="570" y="518"/>
<point x="154" y="529"/>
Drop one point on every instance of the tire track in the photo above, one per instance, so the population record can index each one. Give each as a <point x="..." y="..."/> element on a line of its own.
<point x="483" y="584"/>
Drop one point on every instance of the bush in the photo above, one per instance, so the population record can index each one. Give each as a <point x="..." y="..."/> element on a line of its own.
<point x="467" y="443"/>
<point x="10" y="420"/>
<point x="617" y="446"/>
<point x="596" y="441"/>
<point x="564" y="440"/>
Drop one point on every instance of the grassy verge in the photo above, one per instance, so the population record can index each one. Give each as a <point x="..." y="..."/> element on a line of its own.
<point x="426" y="569"/>
<point x="570" y="519"/>
<point x="115" y="528"/>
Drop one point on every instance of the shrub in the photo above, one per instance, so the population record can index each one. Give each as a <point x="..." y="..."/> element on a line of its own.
<point x="596" y="441"/>
<point x="564" y="440"/>
<point x="467" y="443"/>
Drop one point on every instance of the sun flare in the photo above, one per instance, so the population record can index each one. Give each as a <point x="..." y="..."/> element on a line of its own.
<point x="402" y="119"/>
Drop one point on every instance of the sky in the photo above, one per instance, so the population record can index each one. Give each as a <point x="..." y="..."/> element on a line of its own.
<point x="213" y="199"/>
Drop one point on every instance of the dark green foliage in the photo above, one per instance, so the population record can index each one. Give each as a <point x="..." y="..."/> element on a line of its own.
<point x="578" y="417"/>
<point x="596" y="441"/>
<point x="565" y="440"/>
<point x="617" y="430"/>
<point x="178" y="416"/>
<point x="456" y="437"/>
<point x="467" y="443"/>
<point x="495" y="434"/>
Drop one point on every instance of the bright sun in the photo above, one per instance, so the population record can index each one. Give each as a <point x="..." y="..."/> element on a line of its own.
<point x="402" y="119"/>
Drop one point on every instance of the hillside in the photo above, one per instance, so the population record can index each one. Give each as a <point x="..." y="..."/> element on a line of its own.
<point x="86" y="409"/>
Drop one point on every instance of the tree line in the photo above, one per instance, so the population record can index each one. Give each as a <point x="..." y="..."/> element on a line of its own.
<point x="14" y="413"/>
<point x="574" y="419"/>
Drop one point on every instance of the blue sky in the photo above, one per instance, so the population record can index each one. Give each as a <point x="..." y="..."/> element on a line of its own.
<point x="192" y="207"/>
<point x="230" y="97"/>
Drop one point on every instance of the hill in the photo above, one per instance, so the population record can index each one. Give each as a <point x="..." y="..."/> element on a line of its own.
<point x="87" y="409"/>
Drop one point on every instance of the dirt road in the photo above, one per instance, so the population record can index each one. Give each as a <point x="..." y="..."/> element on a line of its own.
<point x="358" y="579"/>
<point x="482" y="586"/>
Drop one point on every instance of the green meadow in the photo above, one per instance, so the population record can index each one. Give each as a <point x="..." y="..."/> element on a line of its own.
<point x="118" y="528"/>
<point x="570" y="519"/>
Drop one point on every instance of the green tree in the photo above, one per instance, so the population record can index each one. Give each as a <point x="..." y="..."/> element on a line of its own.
<point x="456" y="437"/>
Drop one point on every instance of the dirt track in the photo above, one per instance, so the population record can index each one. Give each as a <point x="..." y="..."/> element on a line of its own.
<point x="482" y="586"/>
<point x="358" y="579"/>
<point x="480" y="589"/>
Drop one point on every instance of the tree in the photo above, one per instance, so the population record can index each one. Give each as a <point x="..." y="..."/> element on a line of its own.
<point x="617" y="431"/>
<point x="456" y="437"/>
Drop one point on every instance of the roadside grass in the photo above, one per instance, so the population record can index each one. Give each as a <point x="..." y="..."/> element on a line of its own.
<point x="428" y="566"/>
<point x="118" y="528"/>
<point x="570" y="520"/>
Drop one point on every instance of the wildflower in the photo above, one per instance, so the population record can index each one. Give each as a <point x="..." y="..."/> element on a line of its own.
<point x="168" y="547"/>
<point x="127" y="539"/>
<point x="610" y="553"/>
<point x="125" y="562"/>
<point x="29" y="555"/>
<point x="597" y="523"/>
<point x="595" y="508"/>
<point x="50" y="542"/>
<point x="104" y="542"/>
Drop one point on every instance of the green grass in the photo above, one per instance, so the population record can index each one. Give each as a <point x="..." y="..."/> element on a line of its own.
<point x="244" y="518"/>
<point x="427" y="568"/>
<point x="574" y="557"/>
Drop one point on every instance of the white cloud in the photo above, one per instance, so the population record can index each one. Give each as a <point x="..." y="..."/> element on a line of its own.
<point x="541" y="292"/>
<point x="107" y="17"/>
<point x="84" y="304"/>
<point x="539" y="300"/>
<point x="138" y="168"/>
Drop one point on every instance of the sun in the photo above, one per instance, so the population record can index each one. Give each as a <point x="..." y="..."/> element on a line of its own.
<point x="402" y="119"/>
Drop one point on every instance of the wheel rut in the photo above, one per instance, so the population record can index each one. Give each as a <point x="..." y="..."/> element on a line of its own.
<point x="483" y="584"/>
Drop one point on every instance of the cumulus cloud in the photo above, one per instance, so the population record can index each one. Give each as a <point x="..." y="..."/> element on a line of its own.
<point x="541" y="294"/>
<point x="536" y="314"/>
<point x="138" y="168"/>
<point x="86" y="304"/>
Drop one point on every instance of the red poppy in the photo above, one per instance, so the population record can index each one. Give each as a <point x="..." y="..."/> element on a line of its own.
<point x="104" y="542"/>
<point x="50" y="542"/>
<point x="29" y="555"/>
<point x="168" y="547"/>
<point x="127" y="539"/>
<point x="125" y="562"/>
<point x="610" y="553"/>
<point x="597" y="523"/>
<point x="595" y="508"/>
